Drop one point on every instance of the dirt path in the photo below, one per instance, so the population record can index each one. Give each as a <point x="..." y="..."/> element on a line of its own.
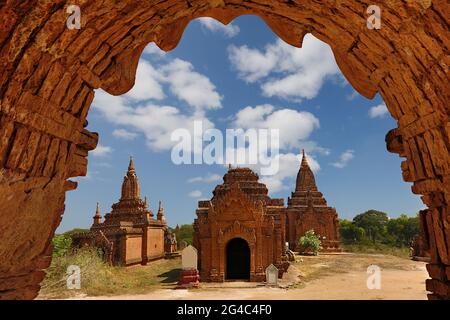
<point x="326" y="278"/>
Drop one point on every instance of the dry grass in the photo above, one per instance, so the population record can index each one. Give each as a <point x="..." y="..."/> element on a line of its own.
<point x="98" y="278"/>
<point x="377" y="249"/>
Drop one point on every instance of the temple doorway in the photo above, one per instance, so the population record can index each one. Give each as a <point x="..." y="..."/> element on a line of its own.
<point x="238" y="260"/>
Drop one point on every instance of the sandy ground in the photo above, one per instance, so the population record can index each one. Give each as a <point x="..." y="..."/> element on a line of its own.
<point x="406" y="281"/>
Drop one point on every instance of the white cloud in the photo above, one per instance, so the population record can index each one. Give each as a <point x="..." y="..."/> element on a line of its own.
<point x="285" y="71"/>
<point x="214" y="26"/>
<point x="137" y="111"/>
<point x="153" y="49"/>
<point x="156" y="122"/>
<point x="124" y="134"/>
<point x="101" y="151"/>
<point x="195" y="194"/>
<point x="378" y="111"/>
<point x="192" y="87"/>
<point x="208" y="178"/>
<point x="294" y="126"/>
<point x="147" y="84"/>
<point x="184" y="82"/>
<point x="344" y="158"/>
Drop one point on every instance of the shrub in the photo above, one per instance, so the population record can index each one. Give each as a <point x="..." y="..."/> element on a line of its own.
<point x="309" y="243"/>
<point x="61" y="244"/>
<point x="94" y="271"/>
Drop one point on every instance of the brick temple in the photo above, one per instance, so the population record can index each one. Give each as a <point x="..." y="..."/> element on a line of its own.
<point x="241" y="230"/>
<point x="307" y="209"/>
<point x="129" y="234"/>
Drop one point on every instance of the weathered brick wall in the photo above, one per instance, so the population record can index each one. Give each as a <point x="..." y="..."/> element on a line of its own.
<point x="48" y="75"/>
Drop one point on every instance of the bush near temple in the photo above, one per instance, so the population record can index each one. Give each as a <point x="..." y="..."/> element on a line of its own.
<point x="62" y="242"/>
<point x="309" y="243"/>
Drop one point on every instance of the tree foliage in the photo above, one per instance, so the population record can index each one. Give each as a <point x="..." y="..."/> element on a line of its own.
<point x="374" y="224"/>
<point x="376" y="227"/>
<point x="62" y="242"/>
<point x="184" y="232"/>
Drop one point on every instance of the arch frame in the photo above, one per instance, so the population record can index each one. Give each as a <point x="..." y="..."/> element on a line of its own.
<point x="48" y="75"/>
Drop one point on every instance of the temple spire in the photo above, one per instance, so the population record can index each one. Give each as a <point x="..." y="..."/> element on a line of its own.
<point x="97" y="217"/>
<point x="160" y="216"/>
<point x="131" y="189"/>
<point x="305" y="176"/>
<point x="131" y="165"/>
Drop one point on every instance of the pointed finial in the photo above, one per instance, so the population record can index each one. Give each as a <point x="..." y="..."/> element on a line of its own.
<point x="304" y="160"/>
<point x="97" y="217"/>
<point x="97" y="209"/>
<point x="305" y="176"/>
<point x="131" y="164"/>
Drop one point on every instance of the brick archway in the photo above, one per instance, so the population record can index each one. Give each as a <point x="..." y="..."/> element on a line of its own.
<point x="48" y="75"/>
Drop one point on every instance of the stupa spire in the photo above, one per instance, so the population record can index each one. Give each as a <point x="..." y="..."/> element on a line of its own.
<point x="131" y="165"/>
<point x="131" y="189"/>
<point x="97" y="217"/>
<point x="305" y="176"/>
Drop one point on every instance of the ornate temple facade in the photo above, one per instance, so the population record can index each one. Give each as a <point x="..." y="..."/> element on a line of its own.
<point x="308" y="210"/>
<point x="241" y="230"/>
<point x="129" y="234"/>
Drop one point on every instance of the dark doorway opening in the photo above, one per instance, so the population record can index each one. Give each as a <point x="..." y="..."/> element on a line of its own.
<point x="238" y="260"/>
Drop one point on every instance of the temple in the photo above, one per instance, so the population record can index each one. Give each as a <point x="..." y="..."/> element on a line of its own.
<point x="308" y="210"/>
<point x="130" y="234"/>
<point x="240" y="231"/>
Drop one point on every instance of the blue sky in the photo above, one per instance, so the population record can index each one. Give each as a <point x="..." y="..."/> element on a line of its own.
<point x="241" y="76"/>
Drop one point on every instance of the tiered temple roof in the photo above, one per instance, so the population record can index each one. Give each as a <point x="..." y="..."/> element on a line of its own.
<point x="306" y="192"/>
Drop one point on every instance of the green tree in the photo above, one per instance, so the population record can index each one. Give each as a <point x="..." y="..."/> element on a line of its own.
<point x="350" y="233"/>
<point x="374" y="224"/>
<point x="402" y="229"/>
<point x="184" y="232"/>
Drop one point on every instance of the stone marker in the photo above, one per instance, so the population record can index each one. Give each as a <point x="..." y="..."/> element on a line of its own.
<point x="271" y="275"/>
<point x="183" y="244"/>
<point x="189" y="258"/>
<point x="189" y="276"/>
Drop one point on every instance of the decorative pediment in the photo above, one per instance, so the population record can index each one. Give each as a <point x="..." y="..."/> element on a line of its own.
<point x="236" y="204"/>
<point x="237" y="229"/>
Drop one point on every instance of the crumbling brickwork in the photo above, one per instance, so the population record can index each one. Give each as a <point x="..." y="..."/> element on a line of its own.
<point x="48" y="74"/>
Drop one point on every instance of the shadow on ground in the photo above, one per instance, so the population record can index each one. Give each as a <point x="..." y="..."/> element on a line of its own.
<point x="171" y="276"/>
